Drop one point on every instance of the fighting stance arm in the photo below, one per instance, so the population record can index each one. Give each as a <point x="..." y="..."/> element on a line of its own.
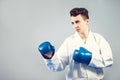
<point x="104" y="58"/>
<point x="56" y="61"/>
<point x="99" y="59"/>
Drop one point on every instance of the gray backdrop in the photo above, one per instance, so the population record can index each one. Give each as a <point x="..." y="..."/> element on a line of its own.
<point x="24" y="24"/>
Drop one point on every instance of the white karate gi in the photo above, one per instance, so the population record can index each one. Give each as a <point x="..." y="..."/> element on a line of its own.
<point x="101" y="57"/>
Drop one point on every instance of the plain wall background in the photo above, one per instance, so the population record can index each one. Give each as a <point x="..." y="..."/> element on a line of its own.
<point x="24" y="24"/>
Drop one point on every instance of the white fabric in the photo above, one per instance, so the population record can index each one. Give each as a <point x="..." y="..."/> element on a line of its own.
<point x="101" y="57"/>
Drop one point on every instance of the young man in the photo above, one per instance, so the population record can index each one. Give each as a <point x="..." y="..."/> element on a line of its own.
<point x="85" y="52"/>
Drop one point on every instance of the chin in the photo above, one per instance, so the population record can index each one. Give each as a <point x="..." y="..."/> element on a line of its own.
<point x="77" y="30"/>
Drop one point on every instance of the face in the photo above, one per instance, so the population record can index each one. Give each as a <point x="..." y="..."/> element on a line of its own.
<point x="79" y="23"/>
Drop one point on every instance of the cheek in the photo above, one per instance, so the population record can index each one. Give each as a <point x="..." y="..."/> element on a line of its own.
<point x="81" y="25"/>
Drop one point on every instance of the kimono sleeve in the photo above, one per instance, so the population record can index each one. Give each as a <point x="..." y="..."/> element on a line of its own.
<point x="60" y="60"/>
<point x="104" y="58"/>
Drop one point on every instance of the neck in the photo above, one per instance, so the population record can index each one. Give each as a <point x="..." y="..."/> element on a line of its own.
<point x="84" y="34"/>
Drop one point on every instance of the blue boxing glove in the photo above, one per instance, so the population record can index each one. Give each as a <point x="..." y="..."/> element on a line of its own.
<point x="46" y="48"/>
<point x="82" y="56"/>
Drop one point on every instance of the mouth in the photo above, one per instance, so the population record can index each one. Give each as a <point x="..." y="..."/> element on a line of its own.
<point x="76" y="29"/>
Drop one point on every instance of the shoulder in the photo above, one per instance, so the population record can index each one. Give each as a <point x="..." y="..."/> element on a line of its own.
<point x="97" y="35"/>
<point x="99" y="38"/>
<point x="71" y="37"/>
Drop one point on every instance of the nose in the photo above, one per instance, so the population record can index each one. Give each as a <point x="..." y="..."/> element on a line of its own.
<point x="75" y="26"/>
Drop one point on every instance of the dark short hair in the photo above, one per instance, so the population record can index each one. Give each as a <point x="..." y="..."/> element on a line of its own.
<point x="82" y="11"/>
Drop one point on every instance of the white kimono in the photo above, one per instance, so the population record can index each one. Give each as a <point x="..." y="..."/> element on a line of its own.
<point x="101" y="57"/>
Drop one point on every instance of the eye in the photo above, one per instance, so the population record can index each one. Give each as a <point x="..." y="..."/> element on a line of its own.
<point x="77" y="21"/>
<point x="72" y="23"/>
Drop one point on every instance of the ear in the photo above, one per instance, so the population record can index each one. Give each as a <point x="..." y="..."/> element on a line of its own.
<point x="87" y="21"/>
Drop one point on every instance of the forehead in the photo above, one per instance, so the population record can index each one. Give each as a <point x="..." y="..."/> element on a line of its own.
<point x="78" y="17"/>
